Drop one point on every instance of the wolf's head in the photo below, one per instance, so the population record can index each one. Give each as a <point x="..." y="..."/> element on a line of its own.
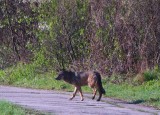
<point x="60" y="76"/>
<point x="65" y="75"/>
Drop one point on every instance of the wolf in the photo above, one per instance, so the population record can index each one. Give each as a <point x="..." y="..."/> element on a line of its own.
<point x="78" y="79"/>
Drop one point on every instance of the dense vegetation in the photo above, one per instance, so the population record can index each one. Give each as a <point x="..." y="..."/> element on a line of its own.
<point x="119" y="38"/>
<point x="110" y="36"/>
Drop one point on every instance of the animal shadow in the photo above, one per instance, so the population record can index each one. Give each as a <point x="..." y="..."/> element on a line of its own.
<point x="137" y="101"/>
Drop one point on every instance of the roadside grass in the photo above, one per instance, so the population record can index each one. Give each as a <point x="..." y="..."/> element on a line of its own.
<point x="7" y="108"/>
<point x="147" y="93"/>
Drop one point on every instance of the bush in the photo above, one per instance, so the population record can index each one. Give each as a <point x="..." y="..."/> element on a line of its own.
<point x="148" y="75"/>
<point x="139" y="79"/>
<point x="18" y="72"/>
<point x="151" y="75"/>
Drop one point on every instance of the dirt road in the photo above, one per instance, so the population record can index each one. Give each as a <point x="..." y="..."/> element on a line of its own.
<point x="58" y="103"/>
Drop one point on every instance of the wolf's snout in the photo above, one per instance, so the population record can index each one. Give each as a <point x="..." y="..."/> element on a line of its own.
<point x="57" y="78"/>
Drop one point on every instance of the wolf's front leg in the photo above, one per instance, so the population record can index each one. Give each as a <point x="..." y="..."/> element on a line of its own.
<point x="80" y="92"/>
<point x="74" y="93"/>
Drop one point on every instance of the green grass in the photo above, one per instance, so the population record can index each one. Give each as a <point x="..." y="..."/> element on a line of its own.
<point x="7" y="108"/>
<point x="43" y="81"/>
<point x="32" y="77"/>
<point x="147" y="93"/>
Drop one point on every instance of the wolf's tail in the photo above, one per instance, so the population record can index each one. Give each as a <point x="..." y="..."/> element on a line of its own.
<point x="99" y="83"/>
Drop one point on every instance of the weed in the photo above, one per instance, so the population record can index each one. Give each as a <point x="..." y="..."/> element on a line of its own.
<point x="7" y="108"/>
<point x="150" y="75"/>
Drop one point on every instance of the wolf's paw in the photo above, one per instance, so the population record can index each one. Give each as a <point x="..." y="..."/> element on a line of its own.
<point x="98" y="99"/>
<point x="82" y="99"/>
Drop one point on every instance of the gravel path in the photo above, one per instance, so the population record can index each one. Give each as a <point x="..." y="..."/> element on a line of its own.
<point x="58" y="103"/>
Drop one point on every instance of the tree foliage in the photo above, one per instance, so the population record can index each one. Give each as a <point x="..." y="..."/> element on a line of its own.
<point x="107" y="35"/>
<point x="17" y="23"/>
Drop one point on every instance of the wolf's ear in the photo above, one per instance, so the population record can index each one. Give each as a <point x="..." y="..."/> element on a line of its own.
<point x="60" y="69"/>
<point x="63" y="69"/>
<point x="71" y="69"/>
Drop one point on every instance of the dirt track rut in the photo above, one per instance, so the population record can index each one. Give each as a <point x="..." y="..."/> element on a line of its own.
<point x="57" y="103"/>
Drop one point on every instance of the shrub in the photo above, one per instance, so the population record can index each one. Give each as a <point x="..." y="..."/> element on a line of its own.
<point x="18" y="72"/>
<point x="150" y="75"/>
<point x="139" y="79"/>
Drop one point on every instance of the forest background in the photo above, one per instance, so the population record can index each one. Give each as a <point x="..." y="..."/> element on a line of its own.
<point x="118" y="38"/>
<point x="107" y="35"/>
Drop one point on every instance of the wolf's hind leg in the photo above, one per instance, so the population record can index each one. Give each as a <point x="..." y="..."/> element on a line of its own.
<point x="80" y="92"/>
<point x="100" y="95"/>
<point x="74" y="93"/>
<point x="94" y="93"/>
